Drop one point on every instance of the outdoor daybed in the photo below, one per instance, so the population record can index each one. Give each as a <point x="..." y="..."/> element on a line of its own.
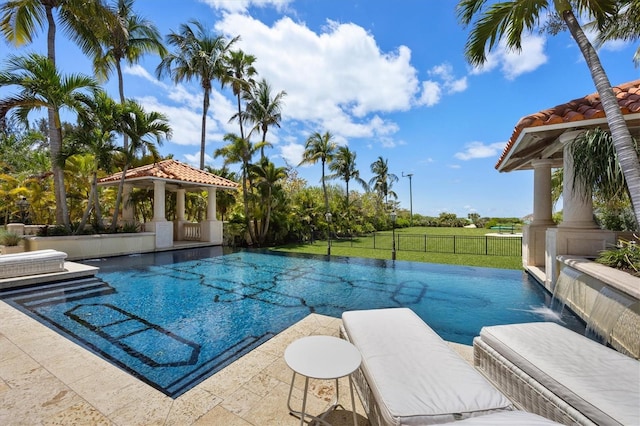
<point x="557" y="373"/>
<point x="410" y="376"/>
<point x="31" y="263"/>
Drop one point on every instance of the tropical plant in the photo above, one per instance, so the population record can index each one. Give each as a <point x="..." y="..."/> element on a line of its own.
<point x="263" y="109"/>
<point x="344" y="167"/>
<point x="382" y="180"/>
<point x="623" y="25"/>
<point x="146" y="131"/>
<point x="240" y="150"/>
<point x="124" y="37"/>
<point x="10" y="239"/>
<point x="42" y="86"/>
<point x="267" y="179"/>
<point x="507" y="20"/>
<point x="98" y="124"/>
<point x="625" y="256"/>
<point x="239" y="73"/>
<point x="320" y="147"/>
<point x="198" y="56"/>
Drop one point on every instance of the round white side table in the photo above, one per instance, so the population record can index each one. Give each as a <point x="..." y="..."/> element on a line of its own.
<point x="324" y="358"/>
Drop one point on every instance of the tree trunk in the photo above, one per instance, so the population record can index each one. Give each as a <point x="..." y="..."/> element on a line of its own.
<point x="125" y="138"/>
<point x="116" y="208"/>
<point x="622" y="140"/>
<point x="240" y="116"/>
<point x="205" y="108"/>
<point x="324" y="190"/>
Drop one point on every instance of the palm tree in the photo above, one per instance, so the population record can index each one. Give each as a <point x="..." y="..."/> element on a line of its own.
<point x="127" y="37"/>
<point x="240" y="150"/>
<point x="43" y="87"/>
<point x="382" y="181"/>
<point x="95" y="136"/>
<point x="624" y="25"/>
<point x="240" y="72"/>
<point x="263" y="109"/>
<point x="199" y="56"/>
<point x="320" y="147"/>
<point x="146" y="131"/>
<point x="19" y="20"/>
<point x="509" y="19"/>
<point x="344" y="166"/>
<point x="266" y="179"/>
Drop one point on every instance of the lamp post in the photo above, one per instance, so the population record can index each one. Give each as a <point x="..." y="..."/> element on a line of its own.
<point x="23" y="206"/>
<point x="394" y="216"/>
<point x="410" y="175"/>
<point x="328" y="217"/>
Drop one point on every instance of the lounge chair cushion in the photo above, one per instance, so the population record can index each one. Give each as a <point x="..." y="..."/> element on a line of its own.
<point x="415" y="376"/>
<point x="599" y="382"/>
<point x="508" y="418"/>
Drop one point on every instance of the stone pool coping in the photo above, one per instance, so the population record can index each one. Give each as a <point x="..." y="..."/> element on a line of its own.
<point x="47" y="379"/>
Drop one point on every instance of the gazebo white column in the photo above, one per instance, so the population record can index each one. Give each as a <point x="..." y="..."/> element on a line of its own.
<point x="178" y="228"/>
<point x="534" y="234"/>
<point x="127" y="209"/>
<point x="159" y="223"/>
<point x="212" y="227"/>
<point x="577" y="234"/>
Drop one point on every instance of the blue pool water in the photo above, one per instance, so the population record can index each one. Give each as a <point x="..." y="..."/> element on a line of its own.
<point x="174" y="318"/>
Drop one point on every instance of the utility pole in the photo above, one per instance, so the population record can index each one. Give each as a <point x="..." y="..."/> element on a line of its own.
<point x="410" y="175"/>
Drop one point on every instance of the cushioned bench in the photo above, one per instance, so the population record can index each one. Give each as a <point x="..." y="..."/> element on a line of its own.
<point x="31" y="263"/>
<point x="410" y="376"/>
<point x="557" y="373"/>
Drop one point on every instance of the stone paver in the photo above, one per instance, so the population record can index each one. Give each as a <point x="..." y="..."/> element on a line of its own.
<point x="46" y="379"/>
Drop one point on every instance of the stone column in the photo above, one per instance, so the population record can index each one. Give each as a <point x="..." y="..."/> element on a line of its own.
<point x="577" y="205"/>
<point x="211" y="204"/>
<point x="178" y="224"/>
<point x="158" y="201"/>
<point x="534" y="234"/>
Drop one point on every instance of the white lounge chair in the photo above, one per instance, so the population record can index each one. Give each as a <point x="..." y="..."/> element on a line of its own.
<point x="410" y="376"/>
<point x="31" y="263"/>
<point x="557" y="373"/>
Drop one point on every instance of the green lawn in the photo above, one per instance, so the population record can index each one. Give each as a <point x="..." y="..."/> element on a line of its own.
<point x="345" y="248"/>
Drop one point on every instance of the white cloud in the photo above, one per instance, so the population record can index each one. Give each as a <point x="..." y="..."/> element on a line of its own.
<point x="515" y="63"/>
<point x="243" y="5"/>
<point x="431" y="93"/>
<point x="479" y="150"/>
<point x="292" y="153"/>
<point x="334" y="79"/>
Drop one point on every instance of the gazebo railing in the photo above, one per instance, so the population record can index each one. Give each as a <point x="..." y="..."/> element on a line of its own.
<point x="191" y="231"/>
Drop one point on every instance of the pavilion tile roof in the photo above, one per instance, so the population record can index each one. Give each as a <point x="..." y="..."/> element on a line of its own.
<point x="173" y="170"/>
<point x="585" y="108"/>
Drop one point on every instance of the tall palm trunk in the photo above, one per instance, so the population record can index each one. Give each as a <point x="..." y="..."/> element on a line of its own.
<point x="125" y="138"/>
<point x="203" y="132"/>
<point x="620" y="134"/>
<point x="324" y="190"/>
<point x="116" y="208"/>
<point x="55" y="133"/>
<point x="240" y="116"/>
<point x="245" y="199"/>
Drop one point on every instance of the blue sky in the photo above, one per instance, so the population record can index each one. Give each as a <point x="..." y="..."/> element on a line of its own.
<point x="386" y="78"/>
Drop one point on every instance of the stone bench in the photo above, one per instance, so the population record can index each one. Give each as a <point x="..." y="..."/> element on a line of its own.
<point x="31" y="263"/>
<point x="559" y="374"/>
<point x="410" y="376"/>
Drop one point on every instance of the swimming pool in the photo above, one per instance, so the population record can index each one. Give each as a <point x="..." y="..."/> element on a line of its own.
<point x="173" y="319"/>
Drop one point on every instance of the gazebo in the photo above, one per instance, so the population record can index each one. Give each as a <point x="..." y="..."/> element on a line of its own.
<point x="539" y="143"/>
<point x="173" y="176"/>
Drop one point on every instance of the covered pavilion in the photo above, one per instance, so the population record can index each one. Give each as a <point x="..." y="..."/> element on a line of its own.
<point x="540" y="143"/>
<point x="173" y="176"/>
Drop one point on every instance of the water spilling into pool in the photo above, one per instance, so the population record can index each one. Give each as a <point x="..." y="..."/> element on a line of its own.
<point x="175" y="318"/>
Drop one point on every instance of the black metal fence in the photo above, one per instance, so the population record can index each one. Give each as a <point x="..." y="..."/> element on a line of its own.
<point x="456" y="244"/>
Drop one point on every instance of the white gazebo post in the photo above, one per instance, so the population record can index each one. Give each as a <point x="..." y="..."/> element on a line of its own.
<point x="577" y="234"/>
<point x="212" y="227"/>
<point x="178" y="228"/>
<point x="534" y="234"/>
<point x="159" y="223"/>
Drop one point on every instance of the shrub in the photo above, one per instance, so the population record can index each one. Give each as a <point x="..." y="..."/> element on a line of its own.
<point x="10" y="239"/>
<point x="625" y="256"/>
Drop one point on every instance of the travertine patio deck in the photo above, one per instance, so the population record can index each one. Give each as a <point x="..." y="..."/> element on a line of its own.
<point x="46" y="379"/>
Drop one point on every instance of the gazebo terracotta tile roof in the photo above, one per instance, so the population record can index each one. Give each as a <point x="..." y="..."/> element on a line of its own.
<point x="175" y="171"/>
<point x="586" y="108"/>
